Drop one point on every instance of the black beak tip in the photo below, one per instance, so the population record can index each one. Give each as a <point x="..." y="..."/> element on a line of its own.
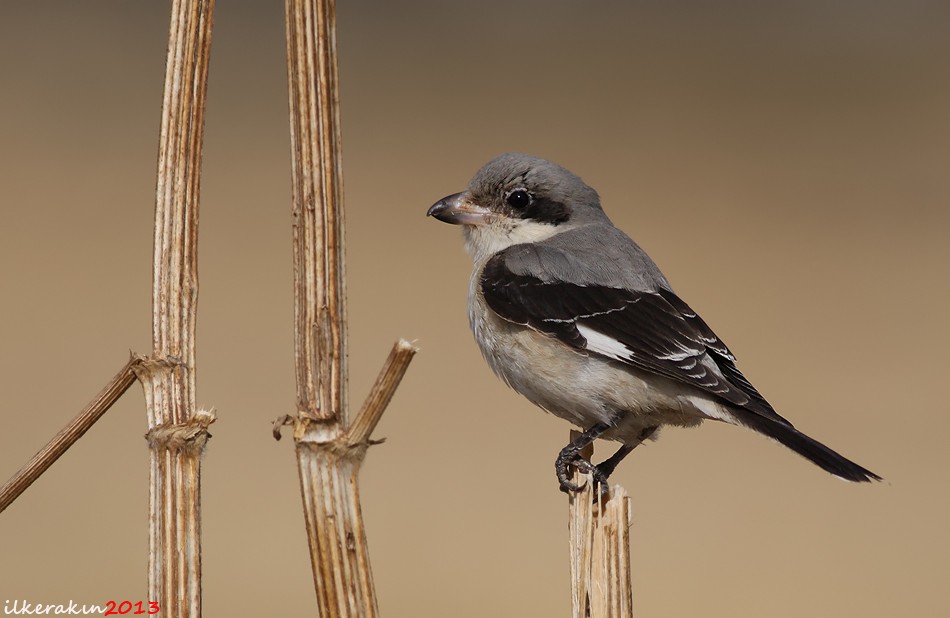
<point x="436" y="208"/>
<point x="443" y="209"/>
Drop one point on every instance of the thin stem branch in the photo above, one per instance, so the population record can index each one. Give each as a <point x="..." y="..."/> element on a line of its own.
<point x="382" y="392"/>
<point x="69" y="434"/>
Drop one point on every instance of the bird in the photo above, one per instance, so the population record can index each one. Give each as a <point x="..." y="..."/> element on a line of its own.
<point x="572" y="314"/>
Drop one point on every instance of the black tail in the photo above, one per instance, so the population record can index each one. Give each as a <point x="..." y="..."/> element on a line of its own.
<point x="812" y="450"/>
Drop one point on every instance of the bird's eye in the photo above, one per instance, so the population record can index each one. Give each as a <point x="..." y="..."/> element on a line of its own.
<point x="518" y="198"/>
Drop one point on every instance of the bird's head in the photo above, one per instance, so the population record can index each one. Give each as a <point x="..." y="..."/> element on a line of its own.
<point x="516" y="198"/>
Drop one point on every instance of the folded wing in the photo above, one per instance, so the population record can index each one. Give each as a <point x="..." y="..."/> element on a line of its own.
<point x="652" y="330"/>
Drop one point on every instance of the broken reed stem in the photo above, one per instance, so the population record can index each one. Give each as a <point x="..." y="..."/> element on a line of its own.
<point x="601" y="585"/>
<point x="329" y="452"/>
<point x="69" y="434"/>
<point x="177" y="430"/>
<point x="328" y="463"/>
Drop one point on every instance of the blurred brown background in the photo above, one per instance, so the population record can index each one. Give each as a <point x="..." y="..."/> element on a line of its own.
<point x="786" y="164"/>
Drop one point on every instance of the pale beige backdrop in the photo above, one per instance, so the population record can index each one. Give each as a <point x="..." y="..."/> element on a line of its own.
<point x="786" y="164"/>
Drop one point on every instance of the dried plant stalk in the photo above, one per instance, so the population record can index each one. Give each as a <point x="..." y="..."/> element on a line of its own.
<point x="600" y="550"/>
<point x="317" y="176"/>
<point x="69" y="434"/>
<point x="329" y="452"/>
<point x="177" y="430"/>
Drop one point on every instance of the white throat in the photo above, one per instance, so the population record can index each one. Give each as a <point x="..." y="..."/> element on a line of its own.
<point x="484" y="241"/>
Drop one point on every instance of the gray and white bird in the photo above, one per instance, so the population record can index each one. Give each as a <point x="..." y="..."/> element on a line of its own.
<point x="575" y="316"/>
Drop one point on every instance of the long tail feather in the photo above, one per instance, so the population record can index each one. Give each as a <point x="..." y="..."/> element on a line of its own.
<point x="810" y="449"/>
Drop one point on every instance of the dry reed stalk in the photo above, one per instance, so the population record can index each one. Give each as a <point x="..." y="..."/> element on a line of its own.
<point x="69" y="434"/>
<point x="600" y="550"/>
<point x="178" y="431"/>
<point x="329" y="452"/>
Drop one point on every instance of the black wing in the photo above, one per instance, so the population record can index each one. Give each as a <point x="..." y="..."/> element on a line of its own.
<point x="654" y="331"/>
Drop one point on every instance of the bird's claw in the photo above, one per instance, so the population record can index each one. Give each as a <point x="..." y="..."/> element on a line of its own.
<point x="564" y="465"/>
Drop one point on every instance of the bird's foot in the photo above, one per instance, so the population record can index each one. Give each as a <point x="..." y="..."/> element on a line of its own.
<point x="570" y="457"/>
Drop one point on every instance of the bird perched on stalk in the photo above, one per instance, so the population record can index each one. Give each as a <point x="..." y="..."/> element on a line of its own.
<point x="576" y="317"/>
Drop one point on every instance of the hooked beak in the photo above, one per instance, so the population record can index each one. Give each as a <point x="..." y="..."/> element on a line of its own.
<point x="456" y="210"/>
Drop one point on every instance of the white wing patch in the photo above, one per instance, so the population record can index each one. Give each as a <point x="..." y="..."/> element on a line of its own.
<point x="604" y="344"/>
<point x="608" y="346"/>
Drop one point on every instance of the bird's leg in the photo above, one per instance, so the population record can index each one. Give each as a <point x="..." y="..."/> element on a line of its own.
<point x="570" y="455"/>
<point x="608" y="466"/>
